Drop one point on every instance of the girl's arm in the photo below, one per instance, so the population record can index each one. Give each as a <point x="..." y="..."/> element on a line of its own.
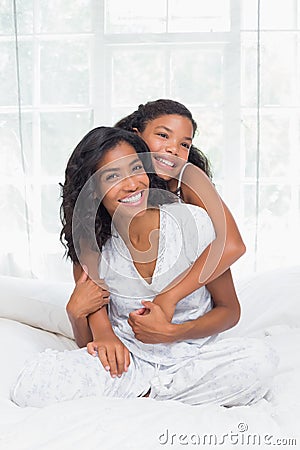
<point x="154" y="327"/>
<point x="219" y="255"/>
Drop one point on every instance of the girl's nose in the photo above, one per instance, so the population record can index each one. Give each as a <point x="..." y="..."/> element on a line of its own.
<point x="172" y="148"/>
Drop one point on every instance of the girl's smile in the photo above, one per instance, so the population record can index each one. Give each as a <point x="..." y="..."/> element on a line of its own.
<point x="169" y="137"/>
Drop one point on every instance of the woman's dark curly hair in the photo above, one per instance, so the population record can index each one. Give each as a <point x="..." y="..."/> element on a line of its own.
<point x="163" y="107"/>
<point x="82" y="214"/>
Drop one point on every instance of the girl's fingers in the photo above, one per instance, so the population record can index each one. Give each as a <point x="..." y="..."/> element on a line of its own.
<point x="105" y="294"/>
<point x="101" y="284"/>
<point x="140" y="311"/>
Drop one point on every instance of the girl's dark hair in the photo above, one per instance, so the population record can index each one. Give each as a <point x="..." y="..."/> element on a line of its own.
<point x="163" y="107"/>
<point x="82" y="214"/>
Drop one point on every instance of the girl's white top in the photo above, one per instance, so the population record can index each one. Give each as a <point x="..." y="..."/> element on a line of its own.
<point x="185" y="231"/>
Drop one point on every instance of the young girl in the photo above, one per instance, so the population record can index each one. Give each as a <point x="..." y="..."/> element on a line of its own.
<point x="109" y="175"/>
<point x="168" y="129"/>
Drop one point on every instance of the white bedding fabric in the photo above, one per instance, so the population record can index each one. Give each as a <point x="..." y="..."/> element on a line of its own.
<point x="270" y="309"/>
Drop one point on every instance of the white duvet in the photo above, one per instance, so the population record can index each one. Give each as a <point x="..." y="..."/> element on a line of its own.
<point x="32" y="318"/>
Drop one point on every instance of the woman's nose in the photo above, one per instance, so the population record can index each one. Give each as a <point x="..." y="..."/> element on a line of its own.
<point x="130" y="183"/>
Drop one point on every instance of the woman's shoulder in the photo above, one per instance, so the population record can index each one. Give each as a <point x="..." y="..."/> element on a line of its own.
<point x="194" y="224"/>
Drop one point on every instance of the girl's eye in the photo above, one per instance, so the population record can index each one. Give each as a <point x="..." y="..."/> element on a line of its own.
<point x="164" y="135"/>
<point x="185" y="145"/>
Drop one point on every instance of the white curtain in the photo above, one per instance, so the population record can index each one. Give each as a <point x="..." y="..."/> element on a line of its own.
<point x="70" y="65"/>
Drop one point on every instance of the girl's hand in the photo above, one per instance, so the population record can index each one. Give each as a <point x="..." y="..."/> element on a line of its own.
<point x="113" y="354"/>
<point x="87" y="297"/>
<point x="167" y="305"/>
<point x="150" y="324"/>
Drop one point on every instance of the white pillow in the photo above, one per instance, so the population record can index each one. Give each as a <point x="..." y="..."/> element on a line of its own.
<point x="268" y="299"/>
<point x="20" y="343"/>
<point x="37" y="303"/>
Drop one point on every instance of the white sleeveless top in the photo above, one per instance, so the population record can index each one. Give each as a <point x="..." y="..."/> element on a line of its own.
<point x="185" y="231"/>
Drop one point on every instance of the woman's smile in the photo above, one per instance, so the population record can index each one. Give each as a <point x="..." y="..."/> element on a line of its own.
<point x="123" y="182"/>
<point x="134" y="199"/>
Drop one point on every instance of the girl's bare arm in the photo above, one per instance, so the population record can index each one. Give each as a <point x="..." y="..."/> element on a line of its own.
<point x="154" y="327"/>
<point x="219" y="255"/>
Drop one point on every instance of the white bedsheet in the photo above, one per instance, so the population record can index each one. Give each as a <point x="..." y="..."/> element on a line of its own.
<point x="271" y="309"/>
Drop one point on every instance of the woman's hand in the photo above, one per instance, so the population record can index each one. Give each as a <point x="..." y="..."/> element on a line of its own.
<point x="87" y="297"/>
<point x="113" y="354"/>
<point x="150" y="324"/>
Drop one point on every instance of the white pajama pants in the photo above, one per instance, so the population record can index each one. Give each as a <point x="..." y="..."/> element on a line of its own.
<point x="228" y="372"/>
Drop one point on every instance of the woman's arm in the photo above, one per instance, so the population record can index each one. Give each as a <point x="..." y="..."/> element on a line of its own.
<point x="154" y="327"/>
<point x="219" y="255"/>
<point x="113" y="354"/>
<point x="88" y="258"/>
<point x="83" y="301"/>
<point x="86" y="298"/>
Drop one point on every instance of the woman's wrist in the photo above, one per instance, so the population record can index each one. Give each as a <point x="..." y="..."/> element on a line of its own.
<point x="105" y="333"/>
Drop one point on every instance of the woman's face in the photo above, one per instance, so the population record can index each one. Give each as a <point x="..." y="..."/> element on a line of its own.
<point x="169" y="138"/>
<point x="123" y="182"/>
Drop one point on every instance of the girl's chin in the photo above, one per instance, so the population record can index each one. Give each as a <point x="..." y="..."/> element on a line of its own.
<point x="164" y="176"/>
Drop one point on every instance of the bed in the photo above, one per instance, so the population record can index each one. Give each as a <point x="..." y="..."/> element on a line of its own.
<point x="33" y="318"/>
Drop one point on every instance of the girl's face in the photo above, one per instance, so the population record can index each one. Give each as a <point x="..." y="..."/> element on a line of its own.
<point x="169" y="137"/>
<point x="123" y="182"/>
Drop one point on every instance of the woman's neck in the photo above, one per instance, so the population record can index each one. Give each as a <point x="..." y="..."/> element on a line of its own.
<point x="136" y="230"/>
<point x="141" y="236"/>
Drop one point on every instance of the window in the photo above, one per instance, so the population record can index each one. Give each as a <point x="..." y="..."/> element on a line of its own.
<point x="83" y="63"/>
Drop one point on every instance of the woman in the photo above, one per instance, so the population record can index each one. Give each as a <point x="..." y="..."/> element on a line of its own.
<point x="182" y="360"/>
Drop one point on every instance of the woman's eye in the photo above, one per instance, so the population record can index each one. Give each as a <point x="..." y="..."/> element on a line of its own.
<point x="185" y="145"/>
<point x="138" y="167"/>
<point x="164" y="135"/>
<point x="111" y="176"/>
